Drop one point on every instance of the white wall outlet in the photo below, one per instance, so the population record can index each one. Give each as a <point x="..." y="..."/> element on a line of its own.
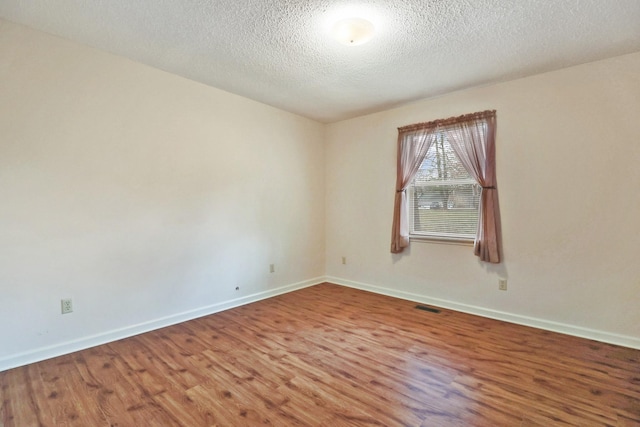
<point x="272" y="268"/>
<point x="502" y="284"/>
<point x="344" y="260"/>
<point x="66" y="305"/>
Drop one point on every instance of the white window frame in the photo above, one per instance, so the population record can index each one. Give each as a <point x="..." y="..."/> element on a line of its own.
<point x="434" y="236"/>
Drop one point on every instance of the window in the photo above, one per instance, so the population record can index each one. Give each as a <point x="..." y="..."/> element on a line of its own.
<point x="435" y="198"/>
<point x="443" y="197"/>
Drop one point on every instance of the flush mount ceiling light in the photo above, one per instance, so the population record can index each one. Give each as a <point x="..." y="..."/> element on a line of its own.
<point x="352" y="31"/>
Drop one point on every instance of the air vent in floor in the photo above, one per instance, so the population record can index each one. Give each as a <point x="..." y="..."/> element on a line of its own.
<point x="427" y="308"/>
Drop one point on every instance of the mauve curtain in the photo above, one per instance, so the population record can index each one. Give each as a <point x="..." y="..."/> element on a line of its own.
<point x="474" y="142"/>
<point x="413" y="145"/>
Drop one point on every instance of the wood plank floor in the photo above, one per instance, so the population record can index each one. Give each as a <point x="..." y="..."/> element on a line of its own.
<point x="332" y="356"/>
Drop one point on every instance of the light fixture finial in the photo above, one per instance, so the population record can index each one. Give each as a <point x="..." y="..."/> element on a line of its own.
<point x="353" y="31"/>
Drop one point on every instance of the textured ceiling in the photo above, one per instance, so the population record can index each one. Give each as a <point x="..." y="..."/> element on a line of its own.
<point x="278" y="51"/>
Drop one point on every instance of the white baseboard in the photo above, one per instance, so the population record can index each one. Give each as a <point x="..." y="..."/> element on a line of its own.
<point x="592" y="334"/>
<point x="43" y="353"/>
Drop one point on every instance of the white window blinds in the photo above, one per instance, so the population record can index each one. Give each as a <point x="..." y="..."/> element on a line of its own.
<point x="443" y="197"/>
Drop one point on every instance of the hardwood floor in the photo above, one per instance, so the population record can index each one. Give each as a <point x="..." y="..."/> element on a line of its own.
<point x="332" y="356"/>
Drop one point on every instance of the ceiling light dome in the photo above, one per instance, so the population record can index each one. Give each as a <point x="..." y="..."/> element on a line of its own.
<point x="353" y="31"/>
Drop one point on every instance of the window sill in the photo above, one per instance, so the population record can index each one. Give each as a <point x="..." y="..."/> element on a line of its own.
<point x="441" y="240"/>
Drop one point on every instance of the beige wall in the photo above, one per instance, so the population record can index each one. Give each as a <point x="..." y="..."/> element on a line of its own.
<point x="148" y="198"/>
<point x="145" y="197"/>
<point x="568" y="150"/>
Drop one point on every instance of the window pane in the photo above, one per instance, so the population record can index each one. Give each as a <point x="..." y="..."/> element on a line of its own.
<point x="444" y="198"/>
<point x="446" y="209"/>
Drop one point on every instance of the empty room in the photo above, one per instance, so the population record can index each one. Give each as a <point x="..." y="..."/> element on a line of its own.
<point x="320" y="213"/>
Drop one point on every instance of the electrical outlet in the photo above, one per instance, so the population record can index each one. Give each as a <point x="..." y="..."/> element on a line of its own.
<point x="502" y="284"/>
<point x="66" y="305"/>
<point x="344" y="260"/>
<point x="272" y="268"/>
